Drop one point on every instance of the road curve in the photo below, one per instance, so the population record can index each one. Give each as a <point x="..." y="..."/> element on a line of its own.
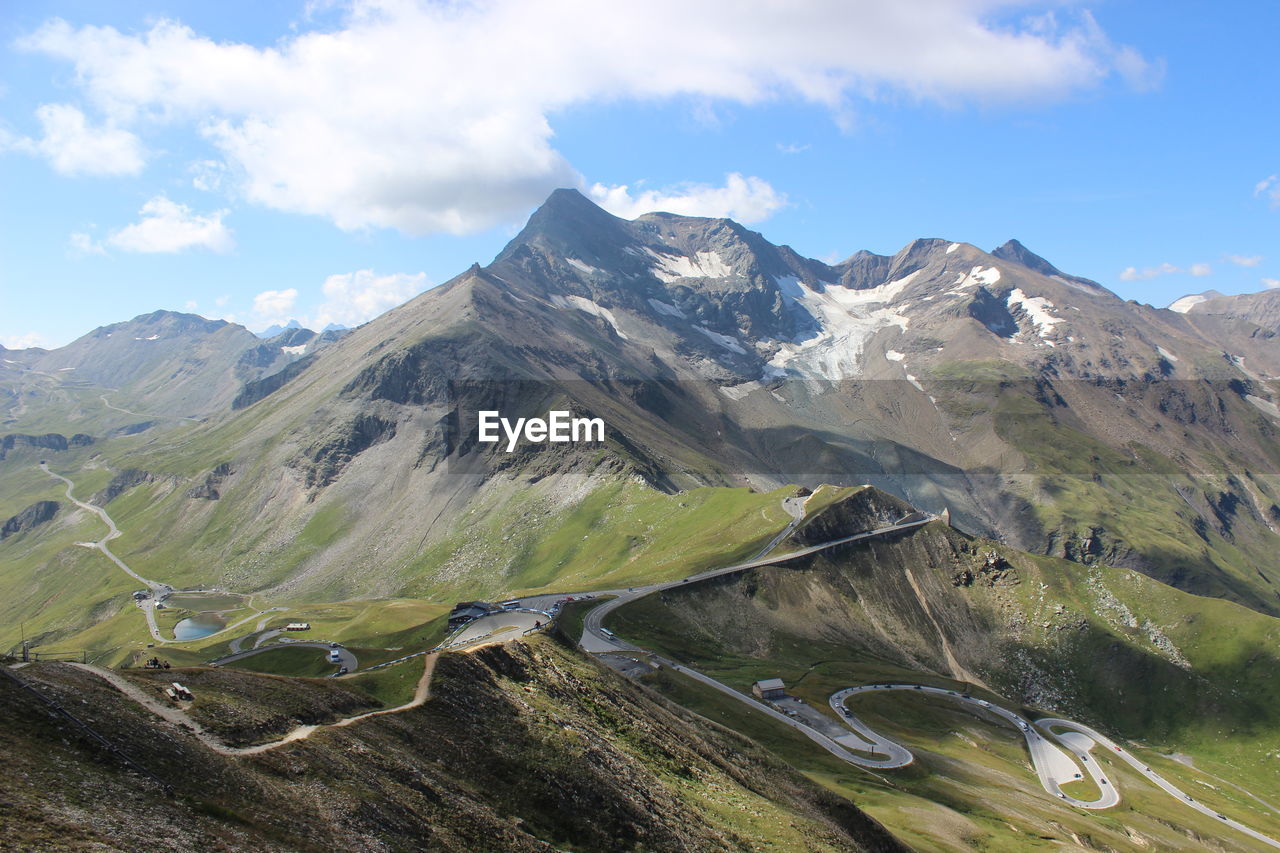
<point x="112" y="533"/>
<point x="1113" y="748"/>
<point x="595" y="640"/>
<point x="347" y="658"/>
<point x="831" y="745"/>
<point x="1052" y="765"/>
<point x="157" y="588"/>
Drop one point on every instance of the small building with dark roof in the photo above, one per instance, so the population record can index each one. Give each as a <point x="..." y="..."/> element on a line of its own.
<point x="465" y="611"/>
<point x="769" y="689"/>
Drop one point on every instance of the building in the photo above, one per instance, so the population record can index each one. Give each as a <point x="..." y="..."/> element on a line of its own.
<point x="769" y="689"/>
<point x="298" y="626"/>
<point x="465" y="611"/>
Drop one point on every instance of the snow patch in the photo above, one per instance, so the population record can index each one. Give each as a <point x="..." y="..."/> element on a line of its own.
<point x="584" y="304"/>
<point x="974" y="277"/>
<point x="64" y="369"/>
<point x="701" y="265"/>
<point x="1036" y="307"/>
<point x="847" y="319"/>
<point x="952" y="248"/>
<point x="894" y="355"/>
<point x="579" y="265"/>
<point x="666" y="308"/>
<point x="1186" y="303"/>
<point x="152" y="338"/>
<point x="298" y="350"/>
<point x="1264" y="405"/>
<point x="915" y="382"/>
<point x="737" y="392"/>
<point x="1166" y="354"/>
<point x="729" y="343"/>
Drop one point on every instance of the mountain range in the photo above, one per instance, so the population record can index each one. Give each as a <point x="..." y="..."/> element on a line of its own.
<point x="1074" y="442"/>
<point x="1037" y="407"/>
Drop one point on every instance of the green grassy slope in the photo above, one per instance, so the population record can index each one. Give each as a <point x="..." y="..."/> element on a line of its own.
<point x="1172" y="672"/>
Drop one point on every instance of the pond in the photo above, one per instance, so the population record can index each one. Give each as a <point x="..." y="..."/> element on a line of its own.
<point x="198" y="626"/>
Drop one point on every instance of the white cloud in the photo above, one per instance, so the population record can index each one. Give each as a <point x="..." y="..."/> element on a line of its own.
<point x="73" y="146"/>
<point x="30" y="339"/>
<point x="1271" y="282"/>
<point x="744" y="199"/>
<point x="82" y="244"/>
<point x="1269" y="186"/>
<point x="208" y="175"/>
<point x="1147" y="273"/>
<point x="169" y="227"/>
<point x="358" y="297"/>
<point x="792" y="148"/>
<point x="1245" y="260"/>
<point x="425" y="117"/>
<point x="272" y="307"/>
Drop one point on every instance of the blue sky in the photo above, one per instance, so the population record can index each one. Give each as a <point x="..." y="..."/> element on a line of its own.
<point x="327" y="160"/>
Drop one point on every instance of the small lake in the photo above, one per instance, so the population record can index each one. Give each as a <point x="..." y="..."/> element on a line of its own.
<point x="199" y="626"/>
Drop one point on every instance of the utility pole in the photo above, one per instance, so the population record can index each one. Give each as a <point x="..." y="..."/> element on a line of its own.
<point x="26" y="649"/>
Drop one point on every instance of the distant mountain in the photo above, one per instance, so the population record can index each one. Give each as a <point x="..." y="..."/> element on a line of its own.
<point x="275" y="329"/>
<point x="1261" y="309"/>
<point x="164" y="364"/>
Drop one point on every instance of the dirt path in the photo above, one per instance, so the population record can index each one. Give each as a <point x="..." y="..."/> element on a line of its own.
<point x="182" y="720"/>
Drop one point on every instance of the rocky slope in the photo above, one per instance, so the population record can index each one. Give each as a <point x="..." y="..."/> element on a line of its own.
<point x="522" y="747"/>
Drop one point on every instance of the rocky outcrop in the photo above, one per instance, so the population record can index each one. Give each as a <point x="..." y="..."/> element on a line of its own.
<point x="208" y="488"/>
<point x="48" y="441"/>
<point x="324" y="461"/>
<point x="864" y="510"/>
<point x="256" y="390"/>
<point x="36" y="514"/>
<point x="120" y="484"/>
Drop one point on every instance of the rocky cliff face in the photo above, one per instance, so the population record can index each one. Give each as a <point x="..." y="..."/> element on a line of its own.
<point x="36" y="514"/>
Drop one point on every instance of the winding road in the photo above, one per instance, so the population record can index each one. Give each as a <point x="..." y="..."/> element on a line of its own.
<point x="113" y="532"/>
<point x="157" y="589"/>
<point x="1053" y="762"/>
<point x="1113" y="748"/>
<point x="1054" y="767"/>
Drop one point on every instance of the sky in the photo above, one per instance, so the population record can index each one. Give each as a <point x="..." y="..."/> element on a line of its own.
<point x="326" y="160"/>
